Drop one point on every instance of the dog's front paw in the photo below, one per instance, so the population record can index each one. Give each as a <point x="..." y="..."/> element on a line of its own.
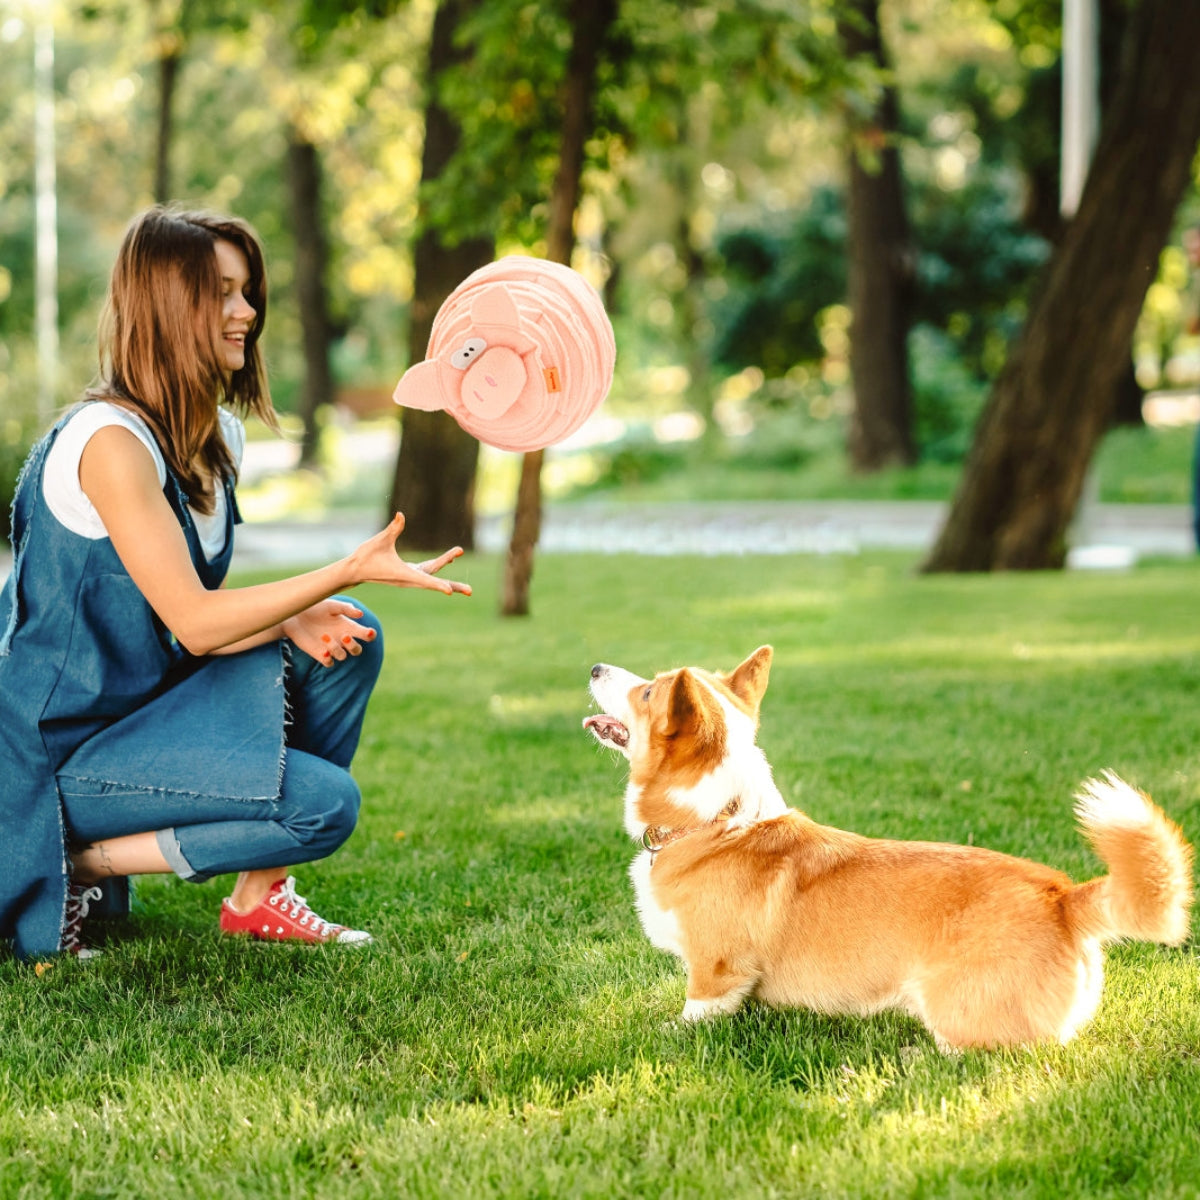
<point x="715" y="1006"/>
<point x="702" y="1010"/>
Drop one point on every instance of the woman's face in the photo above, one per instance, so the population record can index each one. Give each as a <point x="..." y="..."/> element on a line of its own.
<point x="237" y="316"/>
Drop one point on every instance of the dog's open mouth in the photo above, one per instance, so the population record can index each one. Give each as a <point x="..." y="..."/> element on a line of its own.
<point x="608" y="729"/>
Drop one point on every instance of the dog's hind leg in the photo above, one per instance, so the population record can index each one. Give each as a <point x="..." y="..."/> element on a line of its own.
<point x="1089" y="985"/>
<point x="1046" y="999"/>
<point x="714" y="988"/>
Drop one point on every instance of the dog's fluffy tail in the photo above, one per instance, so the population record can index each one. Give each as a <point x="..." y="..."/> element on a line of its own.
<point x="1147" y="893"/>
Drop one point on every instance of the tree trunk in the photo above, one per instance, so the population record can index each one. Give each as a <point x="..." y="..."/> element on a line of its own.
<point x="168" y="73"/>
<point x="1055" y="395"/>
<point x="881" y="268"/>
<point x="308" y="230"/>
<point x="434" y="481"/>
<point x="1043" y="214"/>
<point x="1114" y="23"/>
<point x="434" y="485"/>
<point x="171" y="24"/>
<point x="1128" y="397"/>
<point x="527" y="528"/>
<point x="590" y="20"/>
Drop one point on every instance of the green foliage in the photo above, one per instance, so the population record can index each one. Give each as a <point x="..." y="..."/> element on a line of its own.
<point x="975" y="265"/>
<point x="636" y="461"/>
<point x="763" y="54"/>
<point x="780" y="275"/>
<point x="711" y="191"/>
<point x="949" y="396"/>
<point x="506" y="100"/>
<point x="790" y="456"/>
<point x="785" y="439"/>
<point x="325" y="16"/>
<point x="512" y="1034"/>
<point x="972" y="146"/>
<point x="507" y="95"/>
<point x="349" y="79"/>
<point x="974" y="269"/>
<point x="975" y="261"/>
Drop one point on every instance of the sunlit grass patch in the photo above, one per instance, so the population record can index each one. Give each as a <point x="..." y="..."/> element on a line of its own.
<point x="512" y="1033"/>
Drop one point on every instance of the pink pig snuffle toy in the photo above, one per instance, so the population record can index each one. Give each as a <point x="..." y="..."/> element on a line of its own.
<point x="521" y="354"/>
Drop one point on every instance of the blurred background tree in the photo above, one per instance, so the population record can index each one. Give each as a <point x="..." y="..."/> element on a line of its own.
<point x="1057" y="391"/>
<point x="433" y="483"/>
<point x="714" y="207"/>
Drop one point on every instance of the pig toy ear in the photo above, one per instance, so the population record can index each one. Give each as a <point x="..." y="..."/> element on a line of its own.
<point x="420" y="387"/>
<point x="494" y="306"/>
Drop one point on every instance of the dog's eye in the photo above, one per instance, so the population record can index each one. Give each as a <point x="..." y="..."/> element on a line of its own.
<point x="646" y="694"/>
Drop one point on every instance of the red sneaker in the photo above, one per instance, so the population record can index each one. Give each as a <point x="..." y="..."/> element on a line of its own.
<point x="285" y="917"/>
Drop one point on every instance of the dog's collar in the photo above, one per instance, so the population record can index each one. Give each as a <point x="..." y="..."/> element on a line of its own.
<point x="656" y="837"/>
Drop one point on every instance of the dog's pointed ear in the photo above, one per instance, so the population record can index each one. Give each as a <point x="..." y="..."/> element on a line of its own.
<point x="688" y="705"/>
<point x="748" y="681"/>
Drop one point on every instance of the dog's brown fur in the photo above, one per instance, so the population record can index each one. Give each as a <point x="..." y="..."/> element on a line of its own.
<point x="984" y="948"/>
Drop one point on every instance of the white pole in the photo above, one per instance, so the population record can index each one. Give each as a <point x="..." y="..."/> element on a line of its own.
<point x="46" y="210"/>
<point x="1080" y="98"/>
<point x="1080" y="126"/>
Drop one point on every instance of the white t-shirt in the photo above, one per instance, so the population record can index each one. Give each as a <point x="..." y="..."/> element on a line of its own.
<point x="67" y="500"/>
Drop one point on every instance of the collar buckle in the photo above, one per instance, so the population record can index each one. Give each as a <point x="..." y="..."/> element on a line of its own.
<point x="655" y="837"/>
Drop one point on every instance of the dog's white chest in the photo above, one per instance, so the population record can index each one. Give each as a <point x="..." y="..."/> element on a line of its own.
<point x="659" y="923"/>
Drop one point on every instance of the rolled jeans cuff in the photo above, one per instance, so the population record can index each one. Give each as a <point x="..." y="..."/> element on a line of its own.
<point x="168" y="843"/>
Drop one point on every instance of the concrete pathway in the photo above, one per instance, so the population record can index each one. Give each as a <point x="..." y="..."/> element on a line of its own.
<point x="1108" y="535"/>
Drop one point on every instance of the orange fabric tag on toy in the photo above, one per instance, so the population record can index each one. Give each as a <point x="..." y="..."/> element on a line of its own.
<point x="553" y="383"/>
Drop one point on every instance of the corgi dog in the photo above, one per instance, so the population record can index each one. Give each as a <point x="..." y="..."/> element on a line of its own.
<point x="759" y="900"/>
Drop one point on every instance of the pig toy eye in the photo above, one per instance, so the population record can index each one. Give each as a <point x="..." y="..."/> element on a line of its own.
<point x="467" y="353"/>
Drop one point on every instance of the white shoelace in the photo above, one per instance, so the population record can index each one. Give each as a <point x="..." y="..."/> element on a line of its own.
<point x="286" y="896"/>
<point x="79" y="901"/>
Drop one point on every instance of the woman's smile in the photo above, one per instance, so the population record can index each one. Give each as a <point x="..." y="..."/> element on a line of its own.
<point x="237" y="314"/>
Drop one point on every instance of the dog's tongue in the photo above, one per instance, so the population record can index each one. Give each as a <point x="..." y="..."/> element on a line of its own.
<point x="607" y="729"/>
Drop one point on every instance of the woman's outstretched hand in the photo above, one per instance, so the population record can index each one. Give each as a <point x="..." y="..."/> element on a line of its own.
<point x="376" y="561"/>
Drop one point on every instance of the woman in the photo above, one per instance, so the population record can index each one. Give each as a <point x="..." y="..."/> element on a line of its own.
<point x="152" y="720"/>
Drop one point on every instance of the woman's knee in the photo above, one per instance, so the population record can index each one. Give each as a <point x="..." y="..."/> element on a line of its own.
<point x="320" y="801"/>
<point x="342" y="817"/>
<point x="329" y="703"/>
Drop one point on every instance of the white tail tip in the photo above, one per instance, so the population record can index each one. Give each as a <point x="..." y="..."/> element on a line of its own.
<point x="1110" y="801"/>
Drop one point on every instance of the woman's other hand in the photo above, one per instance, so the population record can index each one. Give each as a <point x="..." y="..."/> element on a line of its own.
<point x="328" y="631"/>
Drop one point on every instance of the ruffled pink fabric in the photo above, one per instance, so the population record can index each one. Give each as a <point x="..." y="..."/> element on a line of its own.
<point x="520" y="355"/>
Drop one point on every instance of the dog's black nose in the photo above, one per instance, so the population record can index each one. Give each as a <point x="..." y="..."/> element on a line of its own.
<point x="597" y="670"/>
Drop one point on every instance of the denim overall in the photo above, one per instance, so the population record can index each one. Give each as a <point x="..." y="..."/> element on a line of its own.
<point x="91" y="680"/>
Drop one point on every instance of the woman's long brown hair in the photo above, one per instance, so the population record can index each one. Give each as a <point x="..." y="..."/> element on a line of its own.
<point x="159" y="334"/>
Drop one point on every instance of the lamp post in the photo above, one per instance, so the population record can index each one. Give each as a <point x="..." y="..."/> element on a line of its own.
<point x="46" y="218"/>
<point x="1080" y="98"/>
<point x="1080" y="126"/>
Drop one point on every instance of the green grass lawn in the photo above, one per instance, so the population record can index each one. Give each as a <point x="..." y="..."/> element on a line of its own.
<point x="513" y="1034"/>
